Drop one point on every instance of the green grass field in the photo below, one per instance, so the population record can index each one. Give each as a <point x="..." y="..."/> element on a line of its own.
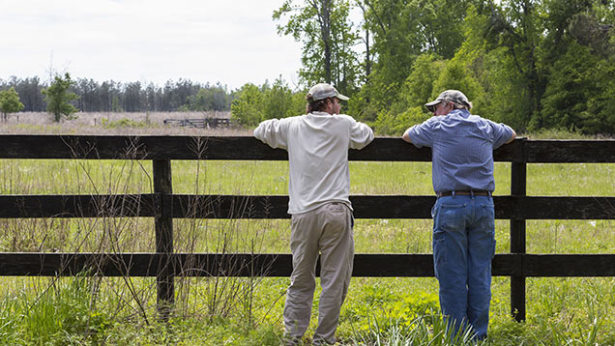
<point x="247" y="311"/>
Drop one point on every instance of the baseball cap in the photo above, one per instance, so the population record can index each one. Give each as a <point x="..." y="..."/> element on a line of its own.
<point x="455" y="96"/>
<point x="322" y="91"/>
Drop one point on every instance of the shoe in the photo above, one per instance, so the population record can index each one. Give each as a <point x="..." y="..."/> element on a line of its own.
<point x="321" y="342"/>
<point x="291" y="340"/>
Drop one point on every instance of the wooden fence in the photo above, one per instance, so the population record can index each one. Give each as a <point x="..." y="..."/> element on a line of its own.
<point x="164" y="206"/>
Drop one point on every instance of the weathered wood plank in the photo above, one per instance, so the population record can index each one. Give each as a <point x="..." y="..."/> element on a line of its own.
<point x="365" y="265"/>
<point x="194" y="148"/>
<point x="66" y="206"/>
<point x="550" y="151"/>
<point x="165" y="279"/>
<point x="552" y="208"/>
<point x="569" y="265"/>
<point x="275" y="207"/>
<point x="518" y="186"/>
<point x="248" y="148"/>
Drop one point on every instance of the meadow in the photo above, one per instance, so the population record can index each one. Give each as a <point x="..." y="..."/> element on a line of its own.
<point x="248" y="311"/>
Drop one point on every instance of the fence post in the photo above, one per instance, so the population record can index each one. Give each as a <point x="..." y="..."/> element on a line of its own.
<point x="518" y="188"/>
<point x="164" y="237"/>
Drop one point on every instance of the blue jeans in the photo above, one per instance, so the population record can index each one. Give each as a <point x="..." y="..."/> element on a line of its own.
<point x="463" y="246"/>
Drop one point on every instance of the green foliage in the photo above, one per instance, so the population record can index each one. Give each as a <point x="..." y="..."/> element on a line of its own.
<point x="65" y="313"/>
<point x="253" y="104"/>
<point x="418" y="88"/>
<point x="571" y="84"/>
<point x="247" y="107"/>
<point x="602" y="103"/>
<point x="543" y="64"/>
<point x="210" y="98"/>
<point x="456" y="76"/>
<point x="404" y="30"/>
<point x="395" y="124"/>
<point x="58" y="97"/>
<point x="392" y="316"/>
<point x="9" y="103"/>
<point x="328" y="39"/>
<point x="280" y="102"/>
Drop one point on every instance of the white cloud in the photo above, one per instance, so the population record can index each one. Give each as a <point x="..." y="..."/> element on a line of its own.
<point x="233" y="42"/>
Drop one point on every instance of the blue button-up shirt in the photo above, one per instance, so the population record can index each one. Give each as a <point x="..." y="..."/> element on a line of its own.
<point x="462" y="149"/>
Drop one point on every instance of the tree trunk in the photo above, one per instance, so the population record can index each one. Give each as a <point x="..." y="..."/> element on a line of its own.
<point x="326" y="36"/>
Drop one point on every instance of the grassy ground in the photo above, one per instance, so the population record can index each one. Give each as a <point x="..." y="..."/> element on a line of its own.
<point x="247" y="311"/>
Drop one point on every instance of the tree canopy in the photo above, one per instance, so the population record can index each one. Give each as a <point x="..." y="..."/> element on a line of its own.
<point x="58" y="97"/>
<point x="531" y="63"/>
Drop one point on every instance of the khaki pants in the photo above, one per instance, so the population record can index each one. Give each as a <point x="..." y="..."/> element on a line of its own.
<point x="327" y="230"/>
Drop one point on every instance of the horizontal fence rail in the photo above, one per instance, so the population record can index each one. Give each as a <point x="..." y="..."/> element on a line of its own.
<point x="277" y="265"/>
<point x="249" y="148"/>
<point x="275" y="207"/>
<point x="164" y="206"/>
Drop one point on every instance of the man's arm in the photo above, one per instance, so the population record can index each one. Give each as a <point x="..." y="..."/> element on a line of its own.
<point x="273" y="133"/>
<point x="420" y="135"/>
<point x="406" y="136"/>
<point x="360" y="135"/>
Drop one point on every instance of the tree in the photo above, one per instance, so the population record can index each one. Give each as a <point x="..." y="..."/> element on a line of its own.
<point x="58" y="97"/>
<point x="280" y="102"/>
<point x="328" y="39"/>
<point x="574" y="99"/>
<point x="417" y="89"/>
<point x="9" y="103"/>
<point x="247" y="107"/>
<point x="401" y="31"/>
<point x="456" y="76"/>
<point x="133" y="97"/>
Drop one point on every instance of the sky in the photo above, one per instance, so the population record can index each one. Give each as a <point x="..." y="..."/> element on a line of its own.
<point x="206" y="41"/>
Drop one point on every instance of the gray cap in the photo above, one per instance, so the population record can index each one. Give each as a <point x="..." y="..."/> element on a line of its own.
<point x="455" y="96"/>
<point x="322" y="91"/>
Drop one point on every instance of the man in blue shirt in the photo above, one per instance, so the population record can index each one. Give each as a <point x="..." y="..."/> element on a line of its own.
<point x="464" y="220"/>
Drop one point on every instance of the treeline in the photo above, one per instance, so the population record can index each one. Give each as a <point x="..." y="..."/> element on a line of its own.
<point x="111" y="96"/>
<point x="531" y="63"/>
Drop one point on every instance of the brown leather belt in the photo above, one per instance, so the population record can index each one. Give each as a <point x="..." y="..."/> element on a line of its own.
<point x="464" y="193"/>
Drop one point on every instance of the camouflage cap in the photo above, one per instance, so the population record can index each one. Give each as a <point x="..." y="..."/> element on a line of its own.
<point x="455" y="96"/>
<point x="322" y="91"/>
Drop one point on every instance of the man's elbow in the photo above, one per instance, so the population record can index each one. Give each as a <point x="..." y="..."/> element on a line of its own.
<point x="512" y="137"/>
<point x="406" y="137"/>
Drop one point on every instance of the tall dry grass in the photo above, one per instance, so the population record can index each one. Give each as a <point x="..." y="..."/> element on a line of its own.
<point x="118" y="123"/>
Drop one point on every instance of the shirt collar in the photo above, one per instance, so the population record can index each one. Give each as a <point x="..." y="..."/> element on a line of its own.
<point x="460" y="112"/>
